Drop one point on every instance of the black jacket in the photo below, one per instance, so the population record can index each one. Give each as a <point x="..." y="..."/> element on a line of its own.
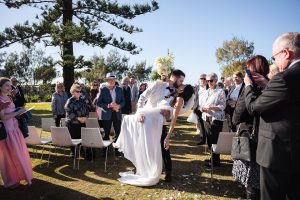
<point x="279" y="108"/>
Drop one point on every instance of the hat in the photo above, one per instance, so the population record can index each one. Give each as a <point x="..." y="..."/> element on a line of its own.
<point x="203" y="76"/>
<point x="110" y="75"/>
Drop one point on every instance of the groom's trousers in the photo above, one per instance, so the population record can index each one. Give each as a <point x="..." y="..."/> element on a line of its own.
<point x="165" y="153"/>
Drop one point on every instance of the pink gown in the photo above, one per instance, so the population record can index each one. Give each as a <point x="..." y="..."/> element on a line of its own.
<point x="15" y="164"/>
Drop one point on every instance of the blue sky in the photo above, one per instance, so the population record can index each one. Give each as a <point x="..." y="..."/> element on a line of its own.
<point x="192" y="30"/>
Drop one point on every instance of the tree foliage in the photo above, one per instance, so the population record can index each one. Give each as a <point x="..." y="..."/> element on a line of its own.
<point x="45" y="72"/>
<point x="233" y="55"/>
<point x="116" y="63"/>
<point x="140" y="71"/>
<point x="63" y="22"/>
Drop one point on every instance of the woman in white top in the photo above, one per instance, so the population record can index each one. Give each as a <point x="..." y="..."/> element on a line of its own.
<point x="212" y="105"/>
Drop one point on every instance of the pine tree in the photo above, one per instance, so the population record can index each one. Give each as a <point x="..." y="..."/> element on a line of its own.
<point x="63" y="22"/>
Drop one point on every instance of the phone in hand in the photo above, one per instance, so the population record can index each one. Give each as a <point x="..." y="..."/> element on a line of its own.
<point x="248" y="72"/>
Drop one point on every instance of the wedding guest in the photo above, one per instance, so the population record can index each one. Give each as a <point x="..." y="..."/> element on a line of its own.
<point x="279" y="107"/>
<point x="199" y="94"/>
<point x="212" y="106"/>
<point x="142" y="88"/>
<point x="85" y="96"/>
<point x="15" y="164"/>
<point x="247" y="173"/>
<point x="59" y="99"/>
<point x="127" y="96"/>
<point x="17" y="93"/>
<point x="111" y="100"/>
<point x="77" y="112"/>
<point x="134" y="93"/>
<point x="233" y="94"/>
<point x="93" y="94"/>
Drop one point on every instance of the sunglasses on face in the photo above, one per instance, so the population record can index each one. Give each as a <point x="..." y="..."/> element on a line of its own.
<point x="78" y="91"/>
<point x="95" y="85"/>
<point x="210" y="81"/>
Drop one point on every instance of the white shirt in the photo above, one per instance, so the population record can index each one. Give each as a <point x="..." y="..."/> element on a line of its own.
<point x="201" y="91"/>
<point x="235" y="93"/>
<point x="113" y="94"/>
<point x="214" y="97"/>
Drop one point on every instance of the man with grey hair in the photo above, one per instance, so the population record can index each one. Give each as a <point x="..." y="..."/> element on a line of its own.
<point x="278" y="151"/>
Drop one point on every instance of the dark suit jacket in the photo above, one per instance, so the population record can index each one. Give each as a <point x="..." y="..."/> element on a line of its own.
<point x="279" y="130"/>
<point x="127" y="97"/>
<point x="105" y="99"/>
<point x="19" y="99"/>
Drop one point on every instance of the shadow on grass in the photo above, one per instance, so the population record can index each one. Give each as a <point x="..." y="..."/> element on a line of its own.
<point x="43" y="190"/>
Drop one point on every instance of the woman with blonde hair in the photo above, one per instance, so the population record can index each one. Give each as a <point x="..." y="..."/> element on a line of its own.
<point x="59" y="99"/>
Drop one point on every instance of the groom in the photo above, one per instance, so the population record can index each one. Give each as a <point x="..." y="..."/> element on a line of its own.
<point x="155" y="94"/>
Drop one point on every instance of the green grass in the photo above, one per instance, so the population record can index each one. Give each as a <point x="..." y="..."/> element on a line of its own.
<point x="191" y="180"/>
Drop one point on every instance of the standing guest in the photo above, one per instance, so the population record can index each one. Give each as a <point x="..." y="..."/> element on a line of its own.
<point x="15" y="164"/>
<point x="134" y="93"/>
<point x="59" y="99"/>
<point x="111" y="100"/>
<point x="85" y="96"/>
<point x="93" y="95"/>
<point x="77" y="112"/>
<point x="212" y="106"/>
<point x="17" y="93"/>
<point x="228" y="83"/>
<point x="127" y="96"/>
<point x="247" y="173"/>
<point x="142" y="88"/>
<point x="199" y="95"/>
<point x="278" y="152"/>
<point x="233" y="94"/>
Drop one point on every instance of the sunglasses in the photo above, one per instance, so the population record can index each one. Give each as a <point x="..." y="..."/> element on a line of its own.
<point x="96" y="85"/>
<point x="78" y="91"/>
<point x="210" y="80"/>
<point x="202" y="78"/>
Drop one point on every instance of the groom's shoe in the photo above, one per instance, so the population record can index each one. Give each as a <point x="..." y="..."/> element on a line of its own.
<point x="168" y="177"/>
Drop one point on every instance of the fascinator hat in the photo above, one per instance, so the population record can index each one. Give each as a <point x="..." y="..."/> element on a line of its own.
<point x="164" y="64"/>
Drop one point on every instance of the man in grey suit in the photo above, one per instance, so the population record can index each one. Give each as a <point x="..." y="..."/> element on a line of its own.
<point x="278" y="151"/>
<point x="111" y="100"/>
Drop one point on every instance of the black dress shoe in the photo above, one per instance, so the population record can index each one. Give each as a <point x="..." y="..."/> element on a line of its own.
<point x="168" y="177"/>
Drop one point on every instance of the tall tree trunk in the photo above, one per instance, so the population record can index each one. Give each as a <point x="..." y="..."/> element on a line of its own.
<point x="68" y="63"/>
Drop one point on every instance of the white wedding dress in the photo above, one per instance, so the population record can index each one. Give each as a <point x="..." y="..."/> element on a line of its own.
<point x="140" y="143"/>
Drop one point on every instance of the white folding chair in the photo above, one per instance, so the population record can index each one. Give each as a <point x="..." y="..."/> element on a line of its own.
<point x="93" y="123"/>
<point x="46" y="124"/>
<point x="93" y="115"/>
<point x="223" y="146"/>
<point x="91" y="137"/>
<point x="34" y="139"/>
<point x="61" y="138"/>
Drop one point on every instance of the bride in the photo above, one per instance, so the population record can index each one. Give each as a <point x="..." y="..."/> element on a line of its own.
<point x="140" y="137"/>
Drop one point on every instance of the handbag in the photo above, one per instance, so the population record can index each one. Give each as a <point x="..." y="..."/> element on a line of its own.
<point x="241" y="146"/>
<point x="3" y="133"/>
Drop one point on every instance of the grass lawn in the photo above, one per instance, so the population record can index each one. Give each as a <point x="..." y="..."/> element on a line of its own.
<point x="190" y="179"/>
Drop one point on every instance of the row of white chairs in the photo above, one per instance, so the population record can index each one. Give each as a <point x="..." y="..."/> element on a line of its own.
<point x="60" y="136"/>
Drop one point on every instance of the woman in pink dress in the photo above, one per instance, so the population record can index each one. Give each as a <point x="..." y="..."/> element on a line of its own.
<point x="15" y="164"/>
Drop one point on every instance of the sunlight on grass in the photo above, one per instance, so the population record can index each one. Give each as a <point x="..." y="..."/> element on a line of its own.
<point x="190" y="179"/>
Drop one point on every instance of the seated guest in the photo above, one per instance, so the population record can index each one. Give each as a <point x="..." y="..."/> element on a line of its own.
<point x="76" y="113"/>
